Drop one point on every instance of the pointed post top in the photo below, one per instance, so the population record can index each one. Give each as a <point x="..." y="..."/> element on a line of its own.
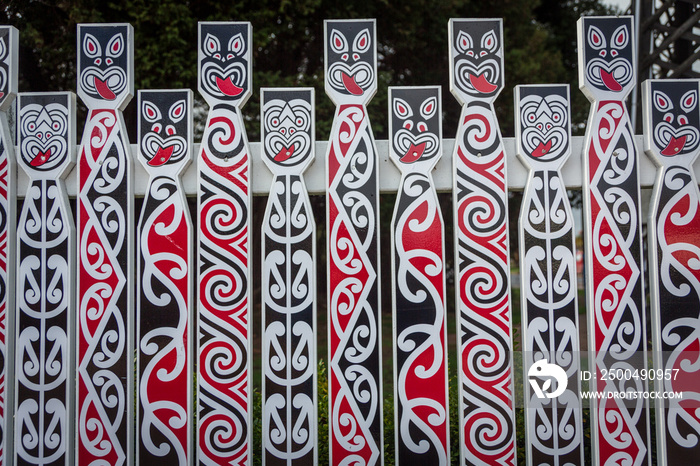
<point x="9" y="53"/>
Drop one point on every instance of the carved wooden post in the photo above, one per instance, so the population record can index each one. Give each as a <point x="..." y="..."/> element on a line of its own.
<point x="418" y="265"/>
<point x="672" y="141"/>
<point x="224" y="392"/>
<point x="288" y="281"/>
<point x="355" y="388"/>
<point x="548" y="291"/>
<point x="482" y="260"/>
<point x="614" y="282"/>
<point x="9" y="51"/>
<point x="45" y="319"/>
<point x="164" y="298"/>
<point x="105" y="355"/>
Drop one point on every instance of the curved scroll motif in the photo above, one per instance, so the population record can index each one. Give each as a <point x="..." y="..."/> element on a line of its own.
<point x="289" y="281"/>
<point x="487" y="420"/>
<point x="224" y="269"/>
<point x="353" y="255"/>
<point x="44" y="358"/>
<point x="105" y="250"/>
<point x="164" y="297"/>
<point x="614" y="281"/>
<point x="9" y="51"/>
<point x="418" y="264"/>
<point x="672" y="140"/>
<point x="548" y="279"/>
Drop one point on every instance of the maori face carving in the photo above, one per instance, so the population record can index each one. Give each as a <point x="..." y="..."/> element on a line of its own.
<point x="608" y="47"/>
<point x="164" y="126"/>
<point x="44" y="124"/>
<point x="8" y="64"/>
<point x="415" y="124"/>
<point x="675" y="117"/>
<point x="104" y="62"/>
<point x="543" y="122"/>
<point x="476" y="55"/>
<point x="351" y="58"/>
<point x="287" y="128"/>
<point x="224" y="61"/>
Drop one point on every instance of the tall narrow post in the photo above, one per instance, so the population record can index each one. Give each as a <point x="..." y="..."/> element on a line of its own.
<point x="289" y="412"/>
<point x="418" y="280"/>
<point x="548" y="284"/>
<point x="164" y="275"/>
<point x="672" y="141"/>
<point x="482" y="259"/>
<point x="224" y="319"/>
<point x="105" y="355"/>
<point x="45" y="312"/>
<point x="613" y="240"/>
<point x="352" y="223"/>
<point x="9" y="51"/>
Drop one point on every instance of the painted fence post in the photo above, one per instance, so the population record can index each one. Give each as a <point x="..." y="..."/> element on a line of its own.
<point x="45" y="319"/>
<point x="612" y="228"/>
<point x="164" y="298"/>
<point x="352" y="223"/>
<point x="418" y="265"/>
<point x="289" y="411"/>
<point x="224" y="371"/>
<point x="9" y="54"/>
<point x="482" y="260"/>
<point x="672" y="141"/>
<point x="548" y="289"/>
<point x="105" y="212"/>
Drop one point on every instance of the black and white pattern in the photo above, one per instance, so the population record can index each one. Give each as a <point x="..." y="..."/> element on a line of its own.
<point x="548" y="279"/>
<point x="351" y="58"/>
<point x="289" y="281"/>
<point x="44" y="385"/>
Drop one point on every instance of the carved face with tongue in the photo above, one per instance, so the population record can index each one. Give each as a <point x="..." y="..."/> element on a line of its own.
<point x="350" y="58"/>
<point x="103" y="61"/>
<point x="608" y="50"/>
<point x="43" y="129"/>
<point x="675" y="116"/>
<point x="163" y="126"/>
<point x="224" y="61"/>
<point x="543" y="121"/>
<point x="287" y="126"/>
<point x="477" y="57"/>
<point x="415" y="123"/>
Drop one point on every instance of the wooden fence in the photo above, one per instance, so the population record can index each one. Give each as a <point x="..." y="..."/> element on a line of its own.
<point x="73" y="294"/>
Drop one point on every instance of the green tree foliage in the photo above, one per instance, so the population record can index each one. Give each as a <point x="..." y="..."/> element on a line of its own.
<point x="540" y="42"/>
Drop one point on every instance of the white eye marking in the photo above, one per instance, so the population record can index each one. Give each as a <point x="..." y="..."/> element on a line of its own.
<point x="115" y="47"/>
<point x="211" y="45"/>
<point x="402" y="109"/>
<point x="464" y="42"/>
<point x="362" y="42"/>
<point x="177" y="111"/>
<point x="339" y="43"/>
<point x="150" y="112"/>
<point x="428" y="108"/>
<point x="596" y="38"/>
<point x="90" y="46"/>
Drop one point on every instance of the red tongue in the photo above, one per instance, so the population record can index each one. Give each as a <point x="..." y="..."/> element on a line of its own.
<point x="162" y="156"/>
<point x="542" y="149"/>
<point x="610" y="81"/>
<point x="413" y="153"/>
<point x="674" y="146"/>
<point x="351" y="85"/>
<point x="284" y="154"/>
<point x="227" y="87"/>
<point x="104" y="90"/>
<point x="41" y="158"/>
<point x="481" y="84"/>
<point x="2" y="94"/>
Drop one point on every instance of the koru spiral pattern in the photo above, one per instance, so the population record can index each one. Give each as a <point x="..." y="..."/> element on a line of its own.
<point x="548" y="279"/>
<point x="289" y="281"/>
<point x="614" y="281"/>
<point x="353" y="253"/>
<point x="105" y="248"/>
<point x="672" y="140"/>
<point x="224" y="402"/>
<point x="9" y="51"/>
<point x="418" y="263"/>
<point x="164" y="297"/>
<point x="44" y="385"/>
<point x="484" y="333"/>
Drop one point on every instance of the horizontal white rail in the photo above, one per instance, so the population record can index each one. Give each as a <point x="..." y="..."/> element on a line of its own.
<point x="389" y="175"/>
